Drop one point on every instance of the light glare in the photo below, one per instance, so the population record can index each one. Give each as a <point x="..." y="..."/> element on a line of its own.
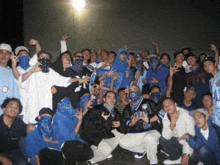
<point x="78" y="4"/>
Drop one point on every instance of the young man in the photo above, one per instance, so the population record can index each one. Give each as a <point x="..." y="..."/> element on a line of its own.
<point x="11" y="129"/>
<point x="157" y="73"/>
<point x="188" y="102"/>
<point x="197" y="78"/>
<point x="39" y="81"/>
<point x="142" y="137"/>
<point x="208" y="103"/>
<point x="8" y="85"/>
<point x="210" y="66"/>
<point x="103" y="128"/>
<point x="176" y="122"/>
<point x="206" y="141"/>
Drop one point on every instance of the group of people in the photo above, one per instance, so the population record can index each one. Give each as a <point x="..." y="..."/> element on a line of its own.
<point x="82" y="106"/>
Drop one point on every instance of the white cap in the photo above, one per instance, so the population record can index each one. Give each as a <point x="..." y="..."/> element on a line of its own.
<point x="19" y="48"/>
<point x="7" y="47"/>
<point x="203" y="111"/>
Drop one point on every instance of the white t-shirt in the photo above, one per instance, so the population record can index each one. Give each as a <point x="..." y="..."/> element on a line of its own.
<point x="205" y="133"/>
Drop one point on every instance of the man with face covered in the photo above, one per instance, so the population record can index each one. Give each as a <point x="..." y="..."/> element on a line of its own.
<point x="157" y="73"/>
<point x="102" y="128"/>
<point x="39" y="80"/>
<point x="142" y="136"/>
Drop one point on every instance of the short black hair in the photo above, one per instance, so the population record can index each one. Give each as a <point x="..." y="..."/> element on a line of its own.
<point x="44" y="51"/>
<point x="120" y="89"/>
<point x="206" y="94"/>
<point x="7" y="100"/>
<point x="176" y="53"/>
<point x="186" y="48"/>
<point x="110" y="92"/>
<point x="165" y="54"/>
<point x="155" y="86"/>
<point x="86" y="50"/>
<point x="211" y="59"/>
<point x="112" y="53"/>
<point x="168" y="98"/>
<point x="146" y="51"/>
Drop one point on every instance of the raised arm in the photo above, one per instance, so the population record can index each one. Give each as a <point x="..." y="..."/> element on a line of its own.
<point x="14" y="60"/>
<point x="157" y="47"/>
<point x="35" y="43"/>
<point x="63" y="43"/>
<point x="214" y="49"/>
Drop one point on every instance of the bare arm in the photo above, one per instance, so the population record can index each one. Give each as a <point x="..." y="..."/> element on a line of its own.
<point x="34" y="69"/>
<point x="14" y="60"/>
<point x="214" y="48"/>
<point x="35" y="43"/>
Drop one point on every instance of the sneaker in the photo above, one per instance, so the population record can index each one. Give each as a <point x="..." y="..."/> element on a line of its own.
<point x="139" y="155"/>
<point x="168" y="161"/>
<point x="91" y="163"/>
<point x="109" y="157"/>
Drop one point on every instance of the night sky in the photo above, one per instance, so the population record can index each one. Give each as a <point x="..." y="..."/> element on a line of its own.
<point x="133" y="11"/>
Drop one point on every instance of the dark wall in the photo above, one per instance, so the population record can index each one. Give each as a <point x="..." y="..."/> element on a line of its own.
<point x="173" y="24"/>
<point x="11" y="18"/>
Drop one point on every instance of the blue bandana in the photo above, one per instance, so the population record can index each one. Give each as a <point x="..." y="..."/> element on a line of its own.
<point x="154" y="63"/>
<point x="155" y="97"/>
<point x="83" y="101"/>
<point x="45" y="127"/>
<point x="135" y="98"/>
<point x="24" y="62"/>
<point x="77" y="66"/>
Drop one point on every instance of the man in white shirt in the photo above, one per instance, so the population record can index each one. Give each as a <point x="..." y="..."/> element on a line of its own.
<point x="176" y="123"/>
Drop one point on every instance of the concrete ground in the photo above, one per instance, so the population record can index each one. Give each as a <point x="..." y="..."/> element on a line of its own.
<point x="124" y="157"/>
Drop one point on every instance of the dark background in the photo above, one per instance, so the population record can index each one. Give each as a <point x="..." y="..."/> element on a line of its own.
<point x="112" y="23"/>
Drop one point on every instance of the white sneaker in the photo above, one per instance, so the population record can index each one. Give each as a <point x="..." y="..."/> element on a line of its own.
<point x="168" y="161"/>
<point x="200" y="163"/>
<point x="109" y="157"/>
<point x="139" y="155"/>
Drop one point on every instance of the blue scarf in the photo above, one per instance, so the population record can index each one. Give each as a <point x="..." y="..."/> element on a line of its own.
<point x="24" y="62"/>
<point x="135" y="98"/>
<point x="155" y="97"/>
<point x="77" y="66"/>
<point x="154" y="64"/>
<point x="83" y="101"/>
<point x="45" y="127"/>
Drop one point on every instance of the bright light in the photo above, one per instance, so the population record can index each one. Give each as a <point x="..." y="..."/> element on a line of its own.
<point x="78" y="4"/>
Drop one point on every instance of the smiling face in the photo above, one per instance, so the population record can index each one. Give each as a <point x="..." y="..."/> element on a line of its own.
<point x="110" y="98"/>
<point x="169" y="106"/>
<point x="94" y="56"/>
<point x="11" y="109"/>
<point x="5" y="56"/>
<point x="179" y="58"/>
<point x="189" y="95"/>
<point x="191" y="60"/>
<point x="165" y="60"/>
<point x="86" y="55"/>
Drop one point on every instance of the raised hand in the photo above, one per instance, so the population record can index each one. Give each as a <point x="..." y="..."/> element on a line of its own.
<point x="14" y="60"/>
<point x="126" y="46"/>
<point x="105" y="116"/>
<point x="213" y="48"/>
<point x="36" y="67"/>
<point x="79" y="115"/>
<point x="99" y="50"/>
<point x="65" y="37"/>
<point x="33" y="42"/>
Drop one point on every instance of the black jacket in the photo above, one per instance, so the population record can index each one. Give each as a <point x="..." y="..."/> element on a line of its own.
<point x="95" y="127"/>
<point x="152" y="110"/>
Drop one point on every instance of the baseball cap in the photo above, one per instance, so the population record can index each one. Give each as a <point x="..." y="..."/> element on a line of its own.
<point x="20" y="48"/>
<point x="4" y="46"/>
<point x="203" y="111"/>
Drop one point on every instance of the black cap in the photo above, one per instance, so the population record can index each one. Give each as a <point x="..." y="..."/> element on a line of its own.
<point x="44" y="51"/>
<point x="44" y="111"/>
<point x="209" y="59"/>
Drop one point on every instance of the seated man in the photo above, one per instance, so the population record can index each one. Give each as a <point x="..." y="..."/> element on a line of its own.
<point x="11" y="129"/>
<point x="103" y="128"/>
<point x="176" y="122"/>
<point x="206" y="141"/>
<point x="142" y="136"/>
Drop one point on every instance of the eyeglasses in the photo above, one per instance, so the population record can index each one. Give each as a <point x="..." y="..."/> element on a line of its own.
<point x="79" y="57"/>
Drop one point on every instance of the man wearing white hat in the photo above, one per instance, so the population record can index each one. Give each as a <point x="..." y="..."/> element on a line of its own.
<point x="23" y="64"/>
<point x="8" y="85"/>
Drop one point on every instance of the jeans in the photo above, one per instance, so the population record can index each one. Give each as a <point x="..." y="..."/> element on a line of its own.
<point x="171" y="147"/>
<point x="16" y="157"/>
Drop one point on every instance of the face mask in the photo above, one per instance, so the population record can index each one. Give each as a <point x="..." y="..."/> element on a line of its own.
<point x="45" y="64"/>
<point x="134" y="96"/>
<point x="24" y="62"/>
<point x="155" y="97"/>
<point x="110" y="108"/>
<point x="154" y="61"/>
<point x="45" y="126"/>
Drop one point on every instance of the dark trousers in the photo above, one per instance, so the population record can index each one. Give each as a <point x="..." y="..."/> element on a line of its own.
<point x="171" y="147"/>
<point x="205" y="155"/>
<point x="15" y="156"/>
